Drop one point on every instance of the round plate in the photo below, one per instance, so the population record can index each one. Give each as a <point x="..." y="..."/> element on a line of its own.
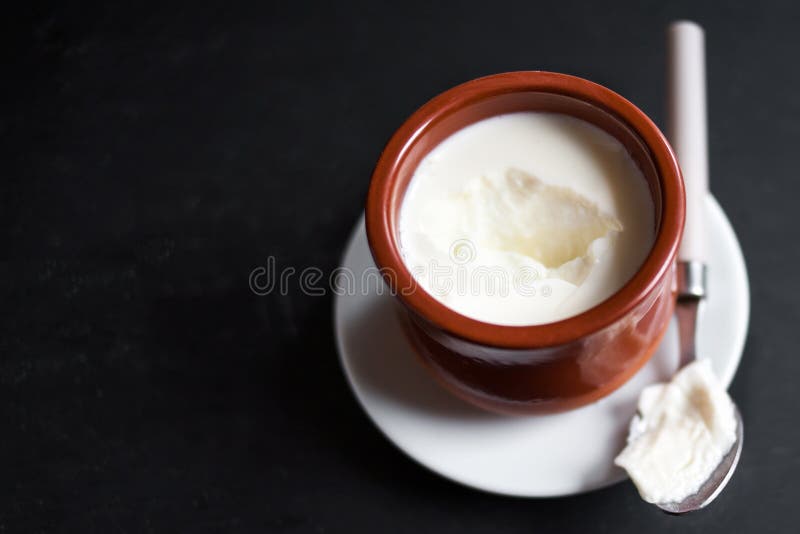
<point x="537" y="456"/>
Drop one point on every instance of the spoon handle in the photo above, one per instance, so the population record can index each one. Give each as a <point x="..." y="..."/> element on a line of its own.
<point x="687" y="128"/>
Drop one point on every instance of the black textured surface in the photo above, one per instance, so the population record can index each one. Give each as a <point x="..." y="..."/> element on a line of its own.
<point x="152" y="156"/>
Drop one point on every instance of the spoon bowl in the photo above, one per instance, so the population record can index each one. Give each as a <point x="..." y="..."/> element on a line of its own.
<point x="716" y="482"/>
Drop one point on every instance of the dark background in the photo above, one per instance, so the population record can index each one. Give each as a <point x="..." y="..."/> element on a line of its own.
<point x="153" y="156"/>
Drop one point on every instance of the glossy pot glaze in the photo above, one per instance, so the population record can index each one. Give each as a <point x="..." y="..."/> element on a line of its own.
<point x="555" y="366"/>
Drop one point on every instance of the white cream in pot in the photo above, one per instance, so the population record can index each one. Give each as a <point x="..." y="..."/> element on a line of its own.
<point x="526" y="218"/>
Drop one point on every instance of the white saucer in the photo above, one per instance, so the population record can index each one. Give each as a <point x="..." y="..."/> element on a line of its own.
<point x="538" y="456"/>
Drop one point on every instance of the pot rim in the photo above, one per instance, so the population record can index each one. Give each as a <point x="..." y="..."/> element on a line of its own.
<point x="386" y="249"/>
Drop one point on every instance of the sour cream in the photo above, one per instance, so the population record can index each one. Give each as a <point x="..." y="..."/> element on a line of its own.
<point x="526" y="218"/>
<point x="682" y="432"/>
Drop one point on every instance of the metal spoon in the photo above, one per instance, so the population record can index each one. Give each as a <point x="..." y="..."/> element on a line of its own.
<point x="688" y="136"/>
<point x="691" y="290"/>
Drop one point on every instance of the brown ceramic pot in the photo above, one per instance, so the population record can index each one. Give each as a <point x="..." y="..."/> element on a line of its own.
<point x="542" y="368"/>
